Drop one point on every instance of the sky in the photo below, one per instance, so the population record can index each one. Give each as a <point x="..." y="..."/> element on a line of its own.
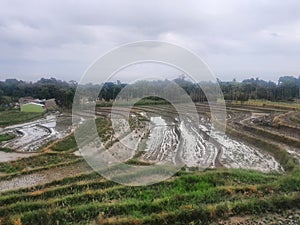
<point x="236" y="38"/>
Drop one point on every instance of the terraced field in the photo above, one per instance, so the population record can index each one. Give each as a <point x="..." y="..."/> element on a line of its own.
<point x="30" y="136"/>
<point x="199" y="198"/>
<point x="233" y="179"/>
<point x="201" y="145"/>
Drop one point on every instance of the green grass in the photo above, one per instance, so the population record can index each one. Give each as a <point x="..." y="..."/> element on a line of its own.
<point x="6" y="150"/>
<point x="6" y="137"/>
<point x="32" y="162"/>
<point x="263" y="103"/>
<point x="67" y="144"/>
<point x="8" y="168"/>
<point x="32" y="108"/>
<point x="185" y="198"/>
<point x="133" y="102"/>
<point x="104" y="128"/>
<point x="11" y="117"/>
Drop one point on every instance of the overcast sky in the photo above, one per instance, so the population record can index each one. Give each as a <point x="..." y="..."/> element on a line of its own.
<point x="236" y="38"/>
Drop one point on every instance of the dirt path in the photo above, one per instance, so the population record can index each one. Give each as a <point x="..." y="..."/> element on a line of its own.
<point x="291" y="217"/>
<point x="12" y="156"/>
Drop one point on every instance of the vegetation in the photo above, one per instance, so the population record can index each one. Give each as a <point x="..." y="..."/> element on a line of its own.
<point x="199" y="198"/>
<point x="11" y="90"/>
<point x="32" y="108"/>
<point x="67" y="144"/>
<point x="144" y="101"/>
<point x="6" y="150"/>
<point x="10" y="117"/>
<point x="104" y="129"/>
<point x="266" y="103"/>
<point x="287" y="89"/>
<point x="34" y="162"/>
<point x="7" y="137"/>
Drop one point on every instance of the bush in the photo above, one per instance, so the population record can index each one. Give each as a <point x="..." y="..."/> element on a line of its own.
<point x="6" y="137"/>
<point x="68" y="143"/>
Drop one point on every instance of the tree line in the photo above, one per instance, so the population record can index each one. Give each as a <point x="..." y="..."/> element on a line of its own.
<point x="12" y="89"/>
<point x="287" y="89"/>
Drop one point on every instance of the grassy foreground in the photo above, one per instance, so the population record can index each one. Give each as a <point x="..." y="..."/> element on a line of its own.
<point x="187" y="198"/>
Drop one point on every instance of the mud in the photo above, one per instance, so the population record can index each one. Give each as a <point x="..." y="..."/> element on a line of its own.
<point x="44" y="176"/>
<point x="32" y="135"/>
<point x="182" y="142"/>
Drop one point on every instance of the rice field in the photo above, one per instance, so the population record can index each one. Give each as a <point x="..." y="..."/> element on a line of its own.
<point x="245" y="176"/>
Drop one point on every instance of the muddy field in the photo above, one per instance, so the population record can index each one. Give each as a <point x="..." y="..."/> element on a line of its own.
<point x="32" y="135"/>
<point x="156" y="135"/>
<point x="166" y="139"/>
<point x="42" y="177"/>
<point x="56" y="180"/>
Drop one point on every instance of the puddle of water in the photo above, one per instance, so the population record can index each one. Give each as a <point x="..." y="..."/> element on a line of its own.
<point x="158" y="121"/>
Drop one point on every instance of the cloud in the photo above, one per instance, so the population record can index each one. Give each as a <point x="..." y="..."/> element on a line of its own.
<point x="236" y="38"/>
